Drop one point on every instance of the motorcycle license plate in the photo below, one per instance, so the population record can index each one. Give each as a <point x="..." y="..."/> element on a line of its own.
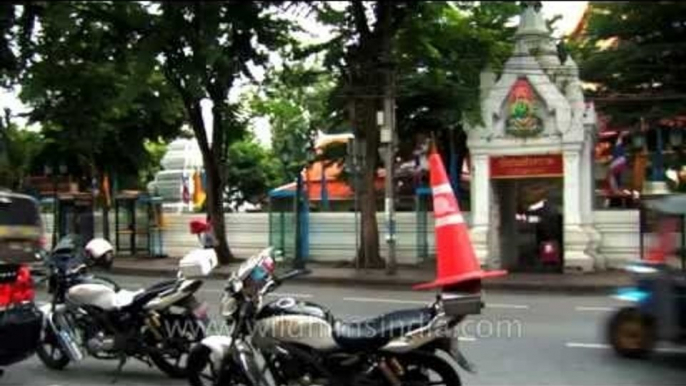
<point x="201" y="311"/>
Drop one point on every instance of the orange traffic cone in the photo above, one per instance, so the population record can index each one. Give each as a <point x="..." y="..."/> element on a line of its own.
<point x="456" y="261"/>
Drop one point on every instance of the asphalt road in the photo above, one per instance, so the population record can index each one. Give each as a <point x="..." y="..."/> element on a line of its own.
<point x="520" y="339"/>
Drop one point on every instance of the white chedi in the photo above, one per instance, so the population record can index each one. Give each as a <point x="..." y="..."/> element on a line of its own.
<point x="182" y="159"/>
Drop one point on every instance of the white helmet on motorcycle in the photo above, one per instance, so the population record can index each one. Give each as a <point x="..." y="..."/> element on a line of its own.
<point x="101" y="252"/>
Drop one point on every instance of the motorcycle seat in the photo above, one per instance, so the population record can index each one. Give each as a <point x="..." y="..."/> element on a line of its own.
<point x="123" y="298"/>
<point x="144" y="296"/>
<point x="373" y="334"/>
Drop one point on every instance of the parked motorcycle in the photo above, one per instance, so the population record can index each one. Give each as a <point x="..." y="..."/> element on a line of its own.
<point x="92" y="315"/>
<point x="292" y="342"/>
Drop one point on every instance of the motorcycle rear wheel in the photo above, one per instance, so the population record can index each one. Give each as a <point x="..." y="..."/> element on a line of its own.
<point x="425" y="368"/>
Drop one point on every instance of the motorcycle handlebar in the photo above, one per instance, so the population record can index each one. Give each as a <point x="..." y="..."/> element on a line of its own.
<point x="277" y="281"/>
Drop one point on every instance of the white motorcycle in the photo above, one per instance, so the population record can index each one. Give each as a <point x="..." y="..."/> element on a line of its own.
<point x="291" y="342"/>
<point x="92" y="315"/>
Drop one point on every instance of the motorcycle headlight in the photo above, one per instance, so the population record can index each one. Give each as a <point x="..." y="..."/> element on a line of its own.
<point x="229" y="306"/>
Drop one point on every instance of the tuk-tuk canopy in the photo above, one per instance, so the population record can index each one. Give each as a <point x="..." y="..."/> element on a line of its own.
<point x="673" y="204"/>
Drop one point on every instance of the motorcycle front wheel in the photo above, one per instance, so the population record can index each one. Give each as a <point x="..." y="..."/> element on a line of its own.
<point x="631" y="333"/>
<point x="202" y="371"/>
<point x="180" y="334"/>
<point x="50" y="352"/>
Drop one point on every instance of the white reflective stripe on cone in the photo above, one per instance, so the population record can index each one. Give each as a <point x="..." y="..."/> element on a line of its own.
<point x="452" y="219"/>
<point x="442" y="189"/>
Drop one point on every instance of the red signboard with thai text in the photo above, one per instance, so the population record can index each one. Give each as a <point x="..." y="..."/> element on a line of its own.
<point x="527" y="166"/>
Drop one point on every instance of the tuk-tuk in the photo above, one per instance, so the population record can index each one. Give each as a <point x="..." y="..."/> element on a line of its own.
<point x="657" y="310"/>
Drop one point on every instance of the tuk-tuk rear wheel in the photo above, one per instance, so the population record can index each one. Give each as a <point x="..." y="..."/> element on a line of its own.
<point x="631" y="333"/>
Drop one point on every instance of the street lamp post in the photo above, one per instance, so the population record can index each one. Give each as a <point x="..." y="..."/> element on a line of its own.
<point x="355" y="161"/>
<point x="299" y="258"/>
<point x="298" y="262"/>
<point x="48" y="170"/>
<point x="51" y="171"/>
<point x="386" y="119"/>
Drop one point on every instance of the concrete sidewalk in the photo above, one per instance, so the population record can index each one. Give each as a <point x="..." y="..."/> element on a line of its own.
<point x="601" y="282"/>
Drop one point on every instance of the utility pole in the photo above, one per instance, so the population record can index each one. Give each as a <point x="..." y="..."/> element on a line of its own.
<point x="299" y="261"/>
<point x="387" y="123"/>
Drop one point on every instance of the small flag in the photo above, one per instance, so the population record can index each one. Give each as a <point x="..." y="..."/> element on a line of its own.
<point x="198" y="192"/>
<point x="185" y="193"/>
<point x="106" y="189"/>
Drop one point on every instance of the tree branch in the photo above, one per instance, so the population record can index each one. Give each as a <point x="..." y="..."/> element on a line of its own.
<point x="360" y="19"/>
<point x="382" y="28"/>
<point x="400" y="14"/>
<point x="192" y="106"/>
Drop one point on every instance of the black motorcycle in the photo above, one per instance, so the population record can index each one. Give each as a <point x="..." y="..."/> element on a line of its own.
<point x="90" y="314"/>
<point x="292" y="342"/>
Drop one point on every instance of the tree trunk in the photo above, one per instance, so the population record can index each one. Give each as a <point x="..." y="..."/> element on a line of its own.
<point x="365" y="120"/>
<point x="215" y="209"/>
<point x="215" y="187"/>
<point x="368" y="61"/>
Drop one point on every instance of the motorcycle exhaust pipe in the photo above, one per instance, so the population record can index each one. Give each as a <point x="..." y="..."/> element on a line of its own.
<point x="65" y="339"/>
<point x="154" y="324"/>
<point x="389" y="374"/>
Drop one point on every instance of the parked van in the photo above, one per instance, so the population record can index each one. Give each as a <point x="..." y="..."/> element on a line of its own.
<point x="21" y="229"/>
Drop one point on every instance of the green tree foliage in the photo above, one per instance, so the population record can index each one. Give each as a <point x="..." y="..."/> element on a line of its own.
<point x="442" y="49"/>
<point x="16" y="25"/>
<point x="19" y="149"/>
<point x="155" y="152"/>
<point x="105" y="77"/>
<point x="634" y="53"/>
<point x="97" y="105"/>
<point x="361" y="55"/>
<point x="204" y="49"/>
<point x="295" y="101"/>
<point x="252" y="172"/>
<point x="436" y="51"/>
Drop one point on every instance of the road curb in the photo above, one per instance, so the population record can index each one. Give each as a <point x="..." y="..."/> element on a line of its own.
<point x="403" y="284"/>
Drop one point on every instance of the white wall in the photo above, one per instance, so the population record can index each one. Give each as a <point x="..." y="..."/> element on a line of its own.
<point x="247" y="233"/>
<point x="332" y="235"/>
<point x="621" y="237"/>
